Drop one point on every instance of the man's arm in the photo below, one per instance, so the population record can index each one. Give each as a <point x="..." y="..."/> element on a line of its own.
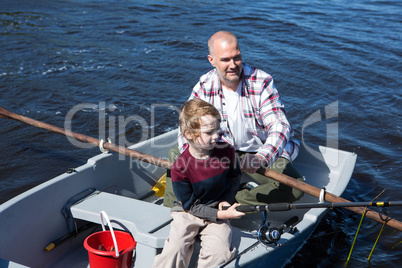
<point x="272" y="114"/>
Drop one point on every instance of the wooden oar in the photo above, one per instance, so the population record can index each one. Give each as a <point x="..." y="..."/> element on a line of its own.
<point x="284" y="179"/>
<point x="109" y="146"/>
<point x="314" y="191"/>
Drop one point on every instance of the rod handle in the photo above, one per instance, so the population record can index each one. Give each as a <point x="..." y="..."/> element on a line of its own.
<point x="243" y="208"/>
<point x="277" y="207"/>
<point x="269" y="207"/>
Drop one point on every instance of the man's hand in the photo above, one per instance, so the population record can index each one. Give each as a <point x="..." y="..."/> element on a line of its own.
<point x="252" y="162"/>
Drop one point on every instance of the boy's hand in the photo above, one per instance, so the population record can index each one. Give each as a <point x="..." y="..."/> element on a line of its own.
<point x="230" y="213"/>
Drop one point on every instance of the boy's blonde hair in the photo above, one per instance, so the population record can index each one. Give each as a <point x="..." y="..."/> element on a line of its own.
<point x="191" y="113"/>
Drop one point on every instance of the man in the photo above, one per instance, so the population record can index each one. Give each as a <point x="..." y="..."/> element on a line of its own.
<point x="253" y="121"/>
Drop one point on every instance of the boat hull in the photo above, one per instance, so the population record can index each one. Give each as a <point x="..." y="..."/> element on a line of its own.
<point x="31" y="220"/>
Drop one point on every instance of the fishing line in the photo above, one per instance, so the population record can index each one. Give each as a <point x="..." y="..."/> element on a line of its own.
<point x="379" y="234"/>
<point x="400" y="242"/>
<point x="358" y="228"/>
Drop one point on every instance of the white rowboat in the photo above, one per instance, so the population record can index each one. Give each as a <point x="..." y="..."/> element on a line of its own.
<point x="31" y="220"/>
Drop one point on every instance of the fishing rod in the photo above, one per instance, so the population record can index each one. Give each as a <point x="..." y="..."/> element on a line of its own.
<point x="282" y="178"/>
<point x="287" y="206"/>
<point x="269" y="236"/>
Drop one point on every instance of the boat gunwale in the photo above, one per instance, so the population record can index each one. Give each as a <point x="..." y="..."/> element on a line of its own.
<point x="311" y="217"/>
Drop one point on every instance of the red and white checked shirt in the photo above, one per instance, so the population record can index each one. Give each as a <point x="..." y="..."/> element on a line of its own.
<point x="264" y="113"/>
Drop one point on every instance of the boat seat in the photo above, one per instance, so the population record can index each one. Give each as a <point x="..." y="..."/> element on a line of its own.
<point x="150" y="229"/>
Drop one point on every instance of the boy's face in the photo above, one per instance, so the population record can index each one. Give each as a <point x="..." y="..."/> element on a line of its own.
<point x="208" y="133"/>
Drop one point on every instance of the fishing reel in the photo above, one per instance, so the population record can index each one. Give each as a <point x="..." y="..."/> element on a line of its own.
<point x="271" y="235"/>
<point x="268" y="235"/>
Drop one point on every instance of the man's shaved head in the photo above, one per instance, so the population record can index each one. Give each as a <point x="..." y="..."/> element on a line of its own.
<point x="225" y="56"/>
<point x="221" y="38"/>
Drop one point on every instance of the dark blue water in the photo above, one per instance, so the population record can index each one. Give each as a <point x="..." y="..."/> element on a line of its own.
<point x="141" y="59"/>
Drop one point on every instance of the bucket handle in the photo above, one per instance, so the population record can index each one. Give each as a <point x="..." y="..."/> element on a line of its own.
<point x="103" y="214"/>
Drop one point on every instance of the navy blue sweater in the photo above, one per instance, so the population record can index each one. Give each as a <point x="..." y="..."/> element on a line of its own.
<point x="201" y="184"/>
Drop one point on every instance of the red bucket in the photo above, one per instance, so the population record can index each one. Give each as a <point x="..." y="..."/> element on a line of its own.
<point x="110" y="249"/>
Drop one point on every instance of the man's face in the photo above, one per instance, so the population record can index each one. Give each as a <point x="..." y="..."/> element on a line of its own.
<point x="227" y="60"/>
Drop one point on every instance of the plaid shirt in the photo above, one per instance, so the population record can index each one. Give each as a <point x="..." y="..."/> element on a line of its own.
<point x="263" y="111"/>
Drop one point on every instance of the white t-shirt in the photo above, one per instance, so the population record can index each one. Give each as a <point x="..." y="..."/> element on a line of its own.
<point x="242" y="139"/>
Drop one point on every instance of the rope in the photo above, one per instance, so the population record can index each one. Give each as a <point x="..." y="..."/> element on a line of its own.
<point x="322" y="195"/>
<point x="102" y="147"/>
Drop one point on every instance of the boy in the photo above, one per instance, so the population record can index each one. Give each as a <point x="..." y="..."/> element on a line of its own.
<point x="205" y="177"/>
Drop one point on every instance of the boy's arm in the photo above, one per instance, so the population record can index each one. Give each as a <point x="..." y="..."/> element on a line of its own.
<point x="206" y="212"/>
